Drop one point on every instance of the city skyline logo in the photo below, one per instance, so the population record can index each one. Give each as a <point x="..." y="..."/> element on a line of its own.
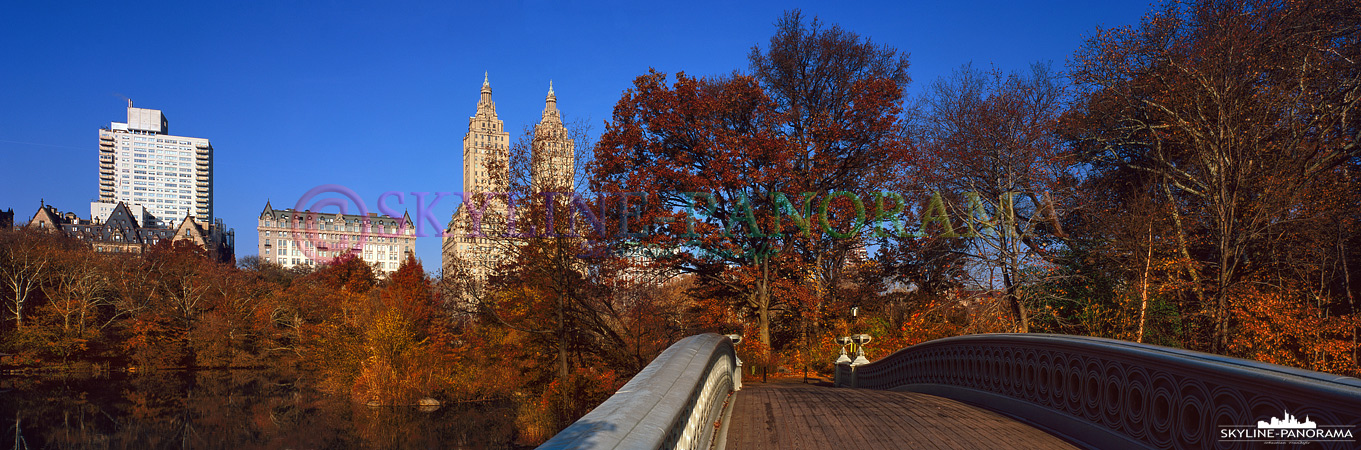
<point x="1287" y="430"/>
<point x="1288" y="421"/>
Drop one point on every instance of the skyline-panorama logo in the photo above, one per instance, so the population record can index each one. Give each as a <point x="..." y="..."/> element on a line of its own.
<point x="1287" y="429"/>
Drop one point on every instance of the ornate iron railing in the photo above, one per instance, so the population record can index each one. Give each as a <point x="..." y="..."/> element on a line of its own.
<point x="673" y="403"/>
<point x="1111" y="394"/>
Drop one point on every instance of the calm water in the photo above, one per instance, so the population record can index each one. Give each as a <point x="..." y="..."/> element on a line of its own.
<point x="227" y="410"/>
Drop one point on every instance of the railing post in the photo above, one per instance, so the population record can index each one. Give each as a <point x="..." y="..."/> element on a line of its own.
<point x="737" y="363"/>
<point x="844" y="371"/>
<point x="854" y="366"/>
<point x="859" y="340"/>
<point x="841" y="377"/>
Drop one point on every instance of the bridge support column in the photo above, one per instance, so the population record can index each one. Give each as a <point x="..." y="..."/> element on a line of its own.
<point x="737" y="364"/>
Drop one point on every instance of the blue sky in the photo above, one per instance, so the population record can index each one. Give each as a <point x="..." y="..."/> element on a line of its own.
<point x="375" y="96"/>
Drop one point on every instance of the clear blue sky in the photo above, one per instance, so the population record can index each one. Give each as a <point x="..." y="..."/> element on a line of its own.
<point x="376" y="96"/>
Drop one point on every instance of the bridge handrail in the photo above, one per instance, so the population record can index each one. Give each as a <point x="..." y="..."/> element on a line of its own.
<point x="1107" y="393"/>
<point x="672" y="403"/>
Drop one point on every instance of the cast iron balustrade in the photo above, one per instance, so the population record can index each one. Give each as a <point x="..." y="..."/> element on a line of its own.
<point x="1113" y="394"/>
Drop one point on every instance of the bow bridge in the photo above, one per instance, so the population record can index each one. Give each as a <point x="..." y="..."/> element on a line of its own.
<point x="996" y="391"/>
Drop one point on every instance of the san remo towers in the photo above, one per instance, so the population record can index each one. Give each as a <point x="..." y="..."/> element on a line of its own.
<point x="486" y="149"/>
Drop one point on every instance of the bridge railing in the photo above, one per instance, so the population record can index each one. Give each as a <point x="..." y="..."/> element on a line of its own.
<point x="1114" y="394"/>
<point x="673" y="403"/>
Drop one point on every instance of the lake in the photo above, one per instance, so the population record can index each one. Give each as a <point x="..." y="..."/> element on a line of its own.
<point x="228" y="409"/>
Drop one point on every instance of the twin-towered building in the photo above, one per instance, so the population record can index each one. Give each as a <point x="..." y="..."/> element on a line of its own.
<point x="486" y="169"/>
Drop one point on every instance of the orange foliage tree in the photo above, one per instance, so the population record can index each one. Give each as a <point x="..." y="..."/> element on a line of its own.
<point x="1234" y="109"/>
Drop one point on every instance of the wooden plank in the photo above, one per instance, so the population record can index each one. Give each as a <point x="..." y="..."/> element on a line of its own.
<point x="793" y="415"/>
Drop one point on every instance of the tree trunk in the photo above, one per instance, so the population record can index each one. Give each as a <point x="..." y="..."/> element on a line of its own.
<point x="1017" y="308"/>
<point x="1221" y="334"/>
<point x="1143" y="306"/>
<point x="16" y="306"/>
<point x="1008" y="246"/>
<point x="1351" y="300"/>
<point x="1185" y="252"/>
<point x="763" y="301"/>
<point x="562" y="338"/>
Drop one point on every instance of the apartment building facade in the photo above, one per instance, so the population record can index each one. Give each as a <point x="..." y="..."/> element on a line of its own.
<point x="142" y="164"/>
<point x="306" y="238"/>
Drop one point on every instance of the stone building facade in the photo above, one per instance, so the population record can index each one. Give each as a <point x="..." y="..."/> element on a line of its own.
<point x="123" y="231"/>
<point x="304" y="238"/>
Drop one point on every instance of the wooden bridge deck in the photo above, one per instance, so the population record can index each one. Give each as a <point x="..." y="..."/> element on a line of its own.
<point x="793" y="415"/>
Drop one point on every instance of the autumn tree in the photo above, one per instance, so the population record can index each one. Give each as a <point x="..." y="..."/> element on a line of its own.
<point x="990" y="147"/>
<point x="1120" y="274"/>
<point x="708" y="146"/>
<point x="77" y="289"/>
<point x="236" y="326"/>
<point x="814" y="73"/>
<point x="405" y="340"/>
<point x="407" y="291"/>
<point x="719" y="167"/>
<point x="183" y="278"/>
<point x="1235" y="108"/>
<point x="326" y="320"/>
<point x="26" y="257"/>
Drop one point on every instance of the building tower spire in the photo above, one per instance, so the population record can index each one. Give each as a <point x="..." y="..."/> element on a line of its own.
<point x="486" y="91"/>
<point x="552" y="159"/>
<point x="550" y="106"/>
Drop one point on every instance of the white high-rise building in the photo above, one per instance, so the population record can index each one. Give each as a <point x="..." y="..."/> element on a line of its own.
<point x="141" y="163"/>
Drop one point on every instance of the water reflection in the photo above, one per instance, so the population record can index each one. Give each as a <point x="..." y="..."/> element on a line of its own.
<point x="228" y="410"/>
